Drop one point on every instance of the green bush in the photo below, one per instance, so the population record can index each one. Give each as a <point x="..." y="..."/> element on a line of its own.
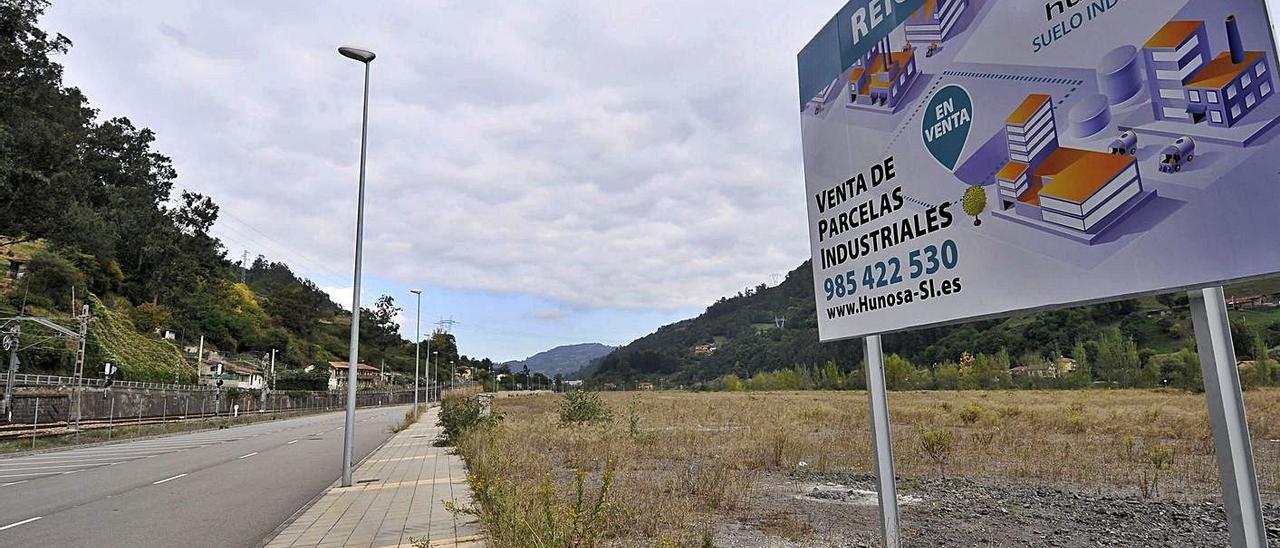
<point x="971" y="413"/>
<point x="582" y="407"/>
<point x="459" y="414"/>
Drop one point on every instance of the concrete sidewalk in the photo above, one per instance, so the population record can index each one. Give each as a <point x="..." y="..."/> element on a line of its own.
<point x="397" y="500"/>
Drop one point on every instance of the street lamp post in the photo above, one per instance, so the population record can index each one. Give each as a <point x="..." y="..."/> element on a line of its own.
<point x="417" y="342"/>
<point x="348" y="434"/>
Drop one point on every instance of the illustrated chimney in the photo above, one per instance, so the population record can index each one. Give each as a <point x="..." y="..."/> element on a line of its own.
<point x="884" y="49"/>
<point x="1233" y="41"/>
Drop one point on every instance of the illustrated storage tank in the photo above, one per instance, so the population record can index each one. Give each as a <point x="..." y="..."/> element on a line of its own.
<point x="1090" y="116"/>
<point x="1120" y="74"/>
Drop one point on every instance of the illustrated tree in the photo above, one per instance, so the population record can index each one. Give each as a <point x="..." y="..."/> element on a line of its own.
<point x="974" y="202"/>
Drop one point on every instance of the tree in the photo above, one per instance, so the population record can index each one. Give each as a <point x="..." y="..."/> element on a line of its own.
<point x="974" y="202"/>
<point x="1083" y="375"/>
<point x="49" y="280"/>
<point x="898" y="372"/>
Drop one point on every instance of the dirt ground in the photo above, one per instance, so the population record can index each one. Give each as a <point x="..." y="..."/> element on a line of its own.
<point x="1022" y="468"/>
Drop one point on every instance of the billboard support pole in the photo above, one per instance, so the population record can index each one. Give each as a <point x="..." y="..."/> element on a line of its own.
<point x="1240" y="500"/>
<point x="881" y="441"/>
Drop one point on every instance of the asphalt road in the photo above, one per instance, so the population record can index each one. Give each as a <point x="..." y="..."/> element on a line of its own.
<point x="227" y="487"/>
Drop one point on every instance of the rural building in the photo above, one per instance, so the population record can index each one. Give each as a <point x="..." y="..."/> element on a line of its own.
<point x="367" y="376"/>
<point x="644" y="386"/>
<point x="1186" y="85"/>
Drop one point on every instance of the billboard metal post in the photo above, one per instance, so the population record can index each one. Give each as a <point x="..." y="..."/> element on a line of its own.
<point x="1240" y="500"/>
<point x="881" y="441"/>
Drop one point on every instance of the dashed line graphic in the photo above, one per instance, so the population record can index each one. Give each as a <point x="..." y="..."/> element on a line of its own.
<point x="1014" y="77"/>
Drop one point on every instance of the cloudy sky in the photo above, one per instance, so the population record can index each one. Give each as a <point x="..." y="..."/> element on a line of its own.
<point x="548" y="172"/>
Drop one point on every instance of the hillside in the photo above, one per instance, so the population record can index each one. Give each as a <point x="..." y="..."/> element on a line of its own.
<point x="738" y="335"/>
<point x="562" y="360"/>
<point x="91" y="212"/>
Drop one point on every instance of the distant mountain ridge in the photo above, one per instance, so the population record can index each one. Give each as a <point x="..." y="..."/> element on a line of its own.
<point x="767" y="328"/>
<point x="564" y="360"/>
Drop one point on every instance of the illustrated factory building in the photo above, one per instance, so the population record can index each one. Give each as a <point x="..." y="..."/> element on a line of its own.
<point x="1083" y="190"/>
<point x="934" y="20"/>
<point x="882" y="77"/>
<point x="1186" y="85"/>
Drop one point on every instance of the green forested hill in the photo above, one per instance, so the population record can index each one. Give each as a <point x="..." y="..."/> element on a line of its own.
<point x="747" y="340"/>
<point x="88" y="208"/>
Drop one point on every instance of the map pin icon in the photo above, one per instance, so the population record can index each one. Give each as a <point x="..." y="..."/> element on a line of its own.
<point x="946" y="123"/>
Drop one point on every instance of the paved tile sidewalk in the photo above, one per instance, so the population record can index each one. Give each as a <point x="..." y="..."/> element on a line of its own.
<point x="399" y="493"/>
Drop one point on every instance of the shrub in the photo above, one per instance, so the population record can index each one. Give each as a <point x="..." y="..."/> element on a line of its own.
<point x="581" y="407"/>
<point x="938" y="444"/>
<point x="1076" y="419"/>
<point x="459" y="414"/>
<point x="971" y="413"/>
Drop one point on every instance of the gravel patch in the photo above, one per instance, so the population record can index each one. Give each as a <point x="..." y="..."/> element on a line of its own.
<point x="811" y="509"/>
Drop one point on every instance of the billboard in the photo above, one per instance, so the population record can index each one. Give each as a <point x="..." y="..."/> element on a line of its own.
<point x="972" y="158"/>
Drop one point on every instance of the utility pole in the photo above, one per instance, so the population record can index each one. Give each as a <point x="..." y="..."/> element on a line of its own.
<point x="200" y="359"/>
<point x="11" y="342"/>
<point x="244" y="266"/>
<point x="84" y="339"/>
<point x="417" y="342"/>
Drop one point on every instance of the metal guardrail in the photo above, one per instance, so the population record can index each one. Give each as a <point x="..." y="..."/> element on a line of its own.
<point x="26" y="379"/>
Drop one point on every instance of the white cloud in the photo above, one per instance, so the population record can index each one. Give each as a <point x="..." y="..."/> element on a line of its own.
<point x="621" y="154"/>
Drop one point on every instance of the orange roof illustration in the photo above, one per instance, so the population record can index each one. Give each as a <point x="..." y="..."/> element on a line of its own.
<point x="1032" y="195"/>
<point x="1077" y="174"/>
<point x="1221" y="71"/>
<point x="1029" y="107"/>
<point x="1011" y="171"/>
<point x="1173" y="34"/>
<point x="926" y="11"/>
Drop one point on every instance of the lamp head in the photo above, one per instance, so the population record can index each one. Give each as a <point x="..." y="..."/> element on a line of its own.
<point x="362" y="55"/>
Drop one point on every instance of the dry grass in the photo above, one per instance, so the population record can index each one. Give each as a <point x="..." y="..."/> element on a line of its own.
<point x="683" y="462"/>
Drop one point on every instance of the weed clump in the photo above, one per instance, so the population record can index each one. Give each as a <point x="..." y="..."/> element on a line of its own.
<point x="970" y="414"/>
<point x="938" y="444"/>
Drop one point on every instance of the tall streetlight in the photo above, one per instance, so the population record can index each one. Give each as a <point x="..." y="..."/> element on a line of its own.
<point x="417" y="341"/>
<point x="348" y="434"/>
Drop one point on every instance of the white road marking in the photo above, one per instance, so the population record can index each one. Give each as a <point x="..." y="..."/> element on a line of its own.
<point x="71" y="472"/>
<point x="167" y="479"/>
<point x="25" y="521"/>
<point x="29" y="474"/>
<point x="292" y="442"/>
<point x="73" y="465"/>
<point x="247" y="456"/>
<point x="13" y="483"/>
